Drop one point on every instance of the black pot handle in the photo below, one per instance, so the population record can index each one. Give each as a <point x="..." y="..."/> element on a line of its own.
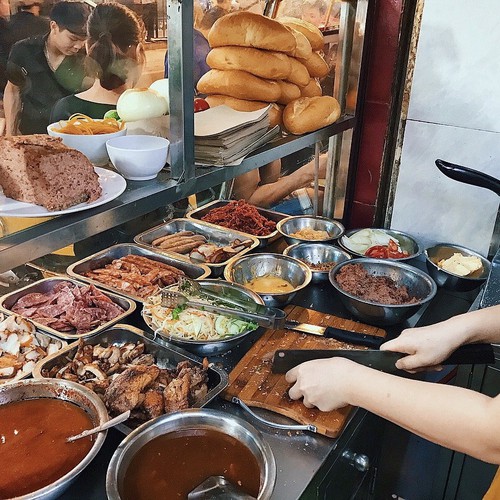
<point x="468" y="176"/>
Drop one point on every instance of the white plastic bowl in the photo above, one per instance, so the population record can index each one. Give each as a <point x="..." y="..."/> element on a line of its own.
<point x="138" y="157"/>
<point x="92" y="146"/>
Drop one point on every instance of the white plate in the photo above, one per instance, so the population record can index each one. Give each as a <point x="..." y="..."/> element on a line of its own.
<point x="112" y="184"/>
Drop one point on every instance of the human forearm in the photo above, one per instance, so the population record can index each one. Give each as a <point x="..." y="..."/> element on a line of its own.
<point x="12" y="108"/>
<point x="457" y="418"/>
<point x="267" y="195"/>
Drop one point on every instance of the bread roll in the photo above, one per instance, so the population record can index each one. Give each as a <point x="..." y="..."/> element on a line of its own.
<point x="313" y="89"/>
<point x="275" y="111"/>
<point x="263" y="63"/>
<point x="247" y="29"/>
<point x="289" y="92"/>
<point x="303" y="48"/>
<point x="311" y="32"/>
<point x="299" y="74"/>
<point x="240" y="84"/>
<point x="316" y="65"/>
<point x="310" y="113"/>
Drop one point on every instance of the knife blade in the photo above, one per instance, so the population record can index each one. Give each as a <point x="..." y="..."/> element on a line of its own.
<point x="286" y="359"/>
<point x="336" y="333"/>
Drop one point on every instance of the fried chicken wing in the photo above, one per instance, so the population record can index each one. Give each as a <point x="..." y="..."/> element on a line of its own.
<point x="124" y="392"/>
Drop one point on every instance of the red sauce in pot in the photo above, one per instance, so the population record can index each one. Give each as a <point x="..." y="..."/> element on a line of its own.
<point x="33" y="448"/>
<point x="172" y="465"/>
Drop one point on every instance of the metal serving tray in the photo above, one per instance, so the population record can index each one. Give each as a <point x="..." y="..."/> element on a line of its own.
<point x="46" y="285"/>
<point x="268" y="214"/>
<point x="217" y="235"/>
<point x="166" y="356"/>
<point x="101" y="259"/>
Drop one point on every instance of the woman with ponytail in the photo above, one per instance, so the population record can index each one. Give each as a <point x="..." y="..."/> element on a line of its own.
<point x="115" y="58"/>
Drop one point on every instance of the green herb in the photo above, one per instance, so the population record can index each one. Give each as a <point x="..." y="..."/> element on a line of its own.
<point x="177" y="311"/>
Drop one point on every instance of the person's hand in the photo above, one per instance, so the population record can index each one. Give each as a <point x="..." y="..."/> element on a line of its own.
<point x="426" y="346"/>
<point x="322" y="383"/>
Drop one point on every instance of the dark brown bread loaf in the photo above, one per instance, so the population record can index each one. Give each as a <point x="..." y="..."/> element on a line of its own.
<point x="40" y="169"/>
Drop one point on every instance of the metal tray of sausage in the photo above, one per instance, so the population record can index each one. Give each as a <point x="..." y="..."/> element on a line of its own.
<point x="268" y="214"/>
<point x="46" y="285"/>
<point x="217" y="235"/>
<point x="101" y="259"/>
<point x="166" y="356"/>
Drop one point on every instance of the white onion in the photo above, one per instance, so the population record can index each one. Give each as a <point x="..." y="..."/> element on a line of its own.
<point x="138" y="104"/>
<point x="161" y="86"/>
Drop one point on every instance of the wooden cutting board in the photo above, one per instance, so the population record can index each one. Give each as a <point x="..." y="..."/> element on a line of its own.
<point x="253" y="383"/>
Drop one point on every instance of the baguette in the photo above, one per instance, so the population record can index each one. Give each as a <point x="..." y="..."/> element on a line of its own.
<point x="316" y="65"/>
<point x="247" y="29"/>
<point x="263" y="63"/>
<point x="303" y="48"/>
<point x="310" y="113"/>
<point x="275" y="111"/>
<point x="240" y="84"/>
<point x="312" y="89"/>
<point x="299" y="74"/>
<point x="311" y="32"/>
<point x="289" y="92"/>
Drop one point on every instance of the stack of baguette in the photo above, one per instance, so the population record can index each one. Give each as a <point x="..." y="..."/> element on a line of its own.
<point x="256" y="60"/>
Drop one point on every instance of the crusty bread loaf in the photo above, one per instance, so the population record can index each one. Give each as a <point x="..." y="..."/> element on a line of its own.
<point x="247" y="29"/>
<point x="311" y="32"/>
<point x="263" y="63"/>
<point x="40" y="169"/>
<point x="275" y="111"/>
<point x="316" y="65"/>
<point x="299" y="74"/>
<point x="313" y="89"/>
<point x="289" y="92"/>
<point x="303" y="48"/>
<point x="310" y="113"/>
<point x="240" y="84"/>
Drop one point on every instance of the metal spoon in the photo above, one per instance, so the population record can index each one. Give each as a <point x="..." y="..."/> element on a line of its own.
<point x="110" y="423"/>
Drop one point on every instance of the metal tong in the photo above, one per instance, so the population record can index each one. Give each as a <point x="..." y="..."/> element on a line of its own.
<point x="268" y="317"/>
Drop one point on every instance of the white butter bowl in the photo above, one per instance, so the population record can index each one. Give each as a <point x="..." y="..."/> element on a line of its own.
<point x="92" y="146"/>
<point x="138" y="157"/>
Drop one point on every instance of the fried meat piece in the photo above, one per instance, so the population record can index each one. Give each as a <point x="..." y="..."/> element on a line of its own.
<point x="176" y="395"/>
<point x="153" y="403"/>
<point x="124" y="393"/>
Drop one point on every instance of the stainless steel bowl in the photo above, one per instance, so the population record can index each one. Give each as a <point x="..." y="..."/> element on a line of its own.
<point x="449" y="280"/>
<point x="192" y="419"/>
<point x="241" y="270"/>
<point x="317" y="253"/>
<point x="291" y="225"/>
<point x="419" y="285"/>
<point x="407" y="243"/>
<point x="212" y="347"/>
<point x="66" y="391"/>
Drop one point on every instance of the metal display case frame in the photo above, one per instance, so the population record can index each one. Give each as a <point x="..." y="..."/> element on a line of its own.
<point x="185" y="178"/>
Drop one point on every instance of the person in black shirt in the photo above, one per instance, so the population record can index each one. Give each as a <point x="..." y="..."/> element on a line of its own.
<point x="115" y="59"/>
<point x="43" y="69"/>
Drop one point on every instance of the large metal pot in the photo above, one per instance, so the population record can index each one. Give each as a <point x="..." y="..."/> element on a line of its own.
<point x="189" y="419"/>
<point x="66" y="391"/>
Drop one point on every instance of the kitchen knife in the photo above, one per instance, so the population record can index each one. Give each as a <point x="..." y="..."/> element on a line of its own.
<point x="336" y="333"/>
<point x="285" y="359"/>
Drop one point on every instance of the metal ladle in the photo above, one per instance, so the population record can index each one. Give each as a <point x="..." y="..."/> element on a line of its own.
<point x="110" y="423"/>
<point x="220" y="488"/>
